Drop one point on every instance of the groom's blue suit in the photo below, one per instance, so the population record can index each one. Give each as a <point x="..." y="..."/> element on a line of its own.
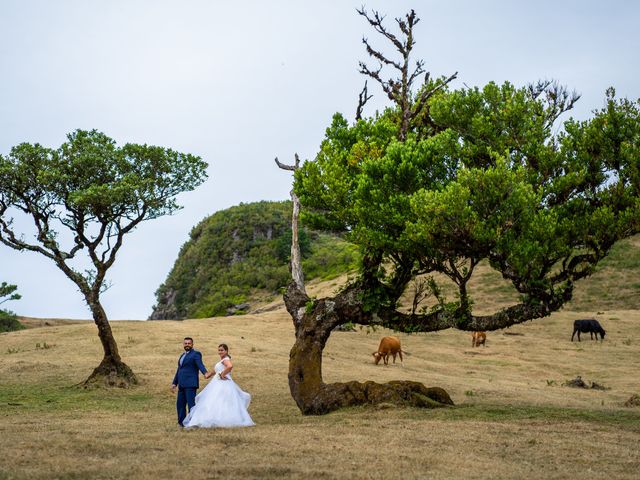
<point x="188" y="381"/>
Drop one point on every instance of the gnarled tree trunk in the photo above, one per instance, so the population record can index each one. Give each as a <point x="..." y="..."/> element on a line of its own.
<point x="314" y="321"/>
<point x="112" y="371"/>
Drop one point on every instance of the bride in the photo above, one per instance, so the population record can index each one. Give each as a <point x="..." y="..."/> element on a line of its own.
<point x="221" y="403"/>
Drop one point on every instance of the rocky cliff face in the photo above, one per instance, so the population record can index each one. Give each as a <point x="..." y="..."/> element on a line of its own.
<point x="166" y="308"/>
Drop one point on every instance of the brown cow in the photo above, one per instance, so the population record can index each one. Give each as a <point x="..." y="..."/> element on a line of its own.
<point x="478" y="338"/>
<point x="388" y="346"/>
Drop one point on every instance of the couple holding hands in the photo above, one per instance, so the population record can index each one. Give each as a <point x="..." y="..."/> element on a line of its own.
<point x="221" y="403"/>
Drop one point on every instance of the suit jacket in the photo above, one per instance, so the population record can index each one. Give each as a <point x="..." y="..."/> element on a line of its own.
<point x="187" y="374"/>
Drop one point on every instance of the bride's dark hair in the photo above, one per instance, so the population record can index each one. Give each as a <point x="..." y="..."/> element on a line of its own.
<point x="226" y="349"/>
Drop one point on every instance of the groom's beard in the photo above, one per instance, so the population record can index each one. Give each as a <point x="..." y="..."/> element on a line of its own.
<point x="187" y="349"/>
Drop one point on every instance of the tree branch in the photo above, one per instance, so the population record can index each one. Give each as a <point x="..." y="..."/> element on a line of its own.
<point x="376" y="23"/>
<point x="443" y="319"/>
<point x="296" y="257"/>
<point x="556" y="97"/>
<point x="387" y="87"/>
<point x="426" y="94"/>
<point x="379" y="56"/>
<point x="363" y="98"/>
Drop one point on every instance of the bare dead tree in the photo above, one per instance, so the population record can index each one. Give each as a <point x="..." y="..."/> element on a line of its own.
<point x="296" y="257"/>
<point x="399" y="90"/>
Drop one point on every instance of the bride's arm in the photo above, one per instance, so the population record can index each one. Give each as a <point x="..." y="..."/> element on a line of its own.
<point x="228" y="366"/>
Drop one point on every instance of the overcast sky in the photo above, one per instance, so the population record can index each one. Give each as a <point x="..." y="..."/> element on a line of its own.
<point x="239" y="83"/>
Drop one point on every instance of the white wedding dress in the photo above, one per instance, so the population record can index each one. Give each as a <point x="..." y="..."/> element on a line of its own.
<point x="220" y="404"/>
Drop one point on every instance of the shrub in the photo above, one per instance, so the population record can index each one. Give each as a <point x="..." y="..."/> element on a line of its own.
<point x="9" y="322"/>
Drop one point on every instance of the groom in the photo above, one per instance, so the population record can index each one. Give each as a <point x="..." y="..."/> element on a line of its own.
<point x="187" y="379"/>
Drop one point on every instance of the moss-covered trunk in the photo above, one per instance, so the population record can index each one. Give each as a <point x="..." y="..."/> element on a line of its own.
<point x="314" y="322"/>
<point x="305" y="369"/>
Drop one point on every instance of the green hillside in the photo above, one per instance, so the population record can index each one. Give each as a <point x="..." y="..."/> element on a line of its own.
<point x="239" y="255"/>
<point x="615" y="284"/>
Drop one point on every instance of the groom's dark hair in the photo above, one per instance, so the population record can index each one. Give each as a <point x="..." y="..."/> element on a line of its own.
<point x="188" y="338"/>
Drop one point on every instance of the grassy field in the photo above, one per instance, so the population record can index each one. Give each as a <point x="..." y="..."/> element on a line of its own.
<point x="513" y="417"/>
<point x="614" y="285"/>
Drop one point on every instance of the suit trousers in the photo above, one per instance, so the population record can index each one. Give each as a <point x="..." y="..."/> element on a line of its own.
<point x="186" y="397"/>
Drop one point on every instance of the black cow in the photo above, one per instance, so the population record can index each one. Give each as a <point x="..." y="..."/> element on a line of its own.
<point x="591" y="326"/>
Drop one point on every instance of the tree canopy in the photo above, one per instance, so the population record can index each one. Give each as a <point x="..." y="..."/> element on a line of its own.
<point x="442" y="180"/>
<point x="82" y="199"/>
<point x="481" y="174"/>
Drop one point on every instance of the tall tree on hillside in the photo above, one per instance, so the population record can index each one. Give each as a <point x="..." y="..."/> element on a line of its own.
<point x="442" y="180"/>
<point x="84" y="197"/>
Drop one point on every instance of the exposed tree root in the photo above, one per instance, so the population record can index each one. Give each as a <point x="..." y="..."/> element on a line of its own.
<point x="401" y="393"/>
<point x="111" y="374"/>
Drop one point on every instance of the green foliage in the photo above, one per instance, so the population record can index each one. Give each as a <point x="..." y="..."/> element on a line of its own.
<point x="483" y="176"/>
<point x="329" y="257"/>
<point x="9" y="322"/>
<point x="91" y="177"/>
<point x="240" y="253"/>
<point x="283" y="245"/>
<point x="84" y="198"/>
<point x="93" y="191"/>
<point x="8" y="291"/>
<point x="309" y="306"/>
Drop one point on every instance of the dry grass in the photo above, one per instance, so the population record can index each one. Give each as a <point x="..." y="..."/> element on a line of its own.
<point x="513" y="418"/>
<point x="614" y="285"/>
